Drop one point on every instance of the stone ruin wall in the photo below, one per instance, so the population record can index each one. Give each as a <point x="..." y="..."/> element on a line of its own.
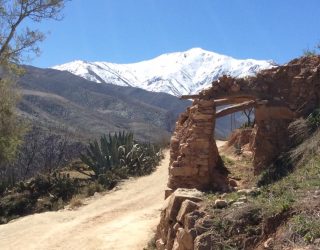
<point x="194" y="157"/>
<point x="281" y="95"/>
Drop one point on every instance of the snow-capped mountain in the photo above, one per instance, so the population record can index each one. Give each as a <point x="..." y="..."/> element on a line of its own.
<point x="177" y="73"/>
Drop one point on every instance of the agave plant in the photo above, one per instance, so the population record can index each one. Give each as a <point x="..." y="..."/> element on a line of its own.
<point x="140" y="160"/>
<point x="104" y="156"/>
<point x="120" y="155"/>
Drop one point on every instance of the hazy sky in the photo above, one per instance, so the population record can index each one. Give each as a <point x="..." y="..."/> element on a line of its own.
<point x="124" y="31"/>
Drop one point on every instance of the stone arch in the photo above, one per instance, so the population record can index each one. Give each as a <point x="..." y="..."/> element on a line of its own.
<point x="195" y="161"/>
<point x="279" y="95"/>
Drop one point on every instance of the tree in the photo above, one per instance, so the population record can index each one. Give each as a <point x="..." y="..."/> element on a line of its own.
<point x="43" y="151"/>
<point x="13" y="41"/>
<point x="312" y="52"/>
<point x="248" y="114"/>
<point x="10" y="129"/>
<point x="16" y="44"/>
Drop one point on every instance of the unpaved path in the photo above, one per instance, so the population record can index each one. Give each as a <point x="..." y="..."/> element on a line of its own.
<point x="123" y="219"/>
<point x="220" y="143"/>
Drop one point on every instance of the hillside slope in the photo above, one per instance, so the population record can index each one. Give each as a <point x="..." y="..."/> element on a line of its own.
<point x="59" y="100"/>
<point x="55" y="99"/>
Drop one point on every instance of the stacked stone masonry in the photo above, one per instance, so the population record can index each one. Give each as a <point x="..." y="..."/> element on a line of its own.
<point x="280" y="95"/>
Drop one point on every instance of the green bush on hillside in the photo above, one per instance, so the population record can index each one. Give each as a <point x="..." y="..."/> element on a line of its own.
<point x="119" y="156"/>
<point x="104" y="156"/>
<point x="314" y="119"/>
<point x="304" y="144"/>
<point x="306" y="226"/>
<point x="41" y="193"/>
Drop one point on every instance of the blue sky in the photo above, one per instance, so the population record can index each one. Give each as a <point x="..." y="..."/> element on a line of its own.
<point x="125" y="31"/>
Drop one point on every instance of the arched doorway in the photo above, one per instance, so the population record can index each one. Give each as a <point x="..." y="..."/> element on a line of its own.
<point x="195" y="160"/>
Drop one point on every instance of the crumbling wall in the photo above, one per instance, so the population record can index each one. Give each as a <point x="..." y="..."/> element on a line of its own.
<point x="194" y="157"/>
<point x="281" y="94"/>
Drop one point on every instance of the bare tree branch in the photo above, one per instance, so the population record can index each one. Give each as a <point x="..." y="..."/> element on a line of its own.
<point x="248" y="114"/>
<point x="12" y="13"/>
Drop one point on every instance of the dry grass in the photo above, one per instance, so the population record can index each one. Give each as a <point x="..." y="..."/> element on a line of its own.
<point x="73" y="174"/>
<point x="299" y="130"/>
<point x="307" y="149"/>
<point x="287" y="207"/>
<point x="240" y="168"/>
<point x="76" y="202"/>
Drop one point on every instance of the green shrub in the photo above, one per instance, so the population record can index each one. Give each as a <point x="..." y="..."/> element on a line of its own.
<point x="141" y="159"/>
<point x="314" y="119"/>
<point x="93" y="187"/>
<point x="279" y="168"/>
<point x="104" y="156"/>
<point x="16" y="204"/>
<point x="57" y="185"/>
<point x="306" y="226"/>
<point x="62" y="186"/>
<point x="3" y="187"/>
<point x="110" y="179"/>
<point x="118" y="156"/>
<point x="305" y="144"/>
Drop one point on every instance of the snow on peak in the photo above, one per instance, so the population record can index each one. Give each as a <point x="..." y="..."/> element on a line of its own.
<point x="178" y="73"/>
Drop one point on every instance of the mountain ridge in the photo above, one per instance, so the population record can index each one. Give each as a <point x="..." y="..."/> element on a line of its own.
<point x="59" y="100"/>
<point x="175" y="73"/>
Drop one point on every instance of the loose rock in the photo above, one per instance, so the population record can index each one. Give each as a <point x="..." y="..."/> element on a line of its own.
<point x="220" y="203"/>
<point x="268" y="244"/>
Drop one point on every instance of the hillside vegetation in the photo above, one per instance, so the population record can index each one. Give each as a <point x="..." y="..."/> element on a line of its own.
<point x="63" y="101"/>
<point x="284" y="212"/>
<point x="104" y="163"/>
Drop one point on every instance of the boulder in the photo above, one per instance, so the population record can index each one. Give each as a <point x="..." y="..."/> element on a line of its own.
<point x="184" y="239"/>
<point x="191" y="218"/>
<point x="176" y="199"/>
<point x="219" y="203"/>
<point x="169" y="226"/>
<point x="187" y="206"/>
<point x="204" y="242"/>
<point x="249" y="191"/>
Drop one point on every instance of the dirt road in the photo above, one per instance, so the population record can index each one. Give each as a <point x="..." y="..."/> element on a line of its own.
<point x="220" y="143"/>
<point x="123" y="219"/>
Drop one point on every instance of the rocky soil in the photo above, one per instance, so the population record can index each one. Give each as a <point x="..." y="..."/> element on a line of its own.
<point x="282" y="215"/>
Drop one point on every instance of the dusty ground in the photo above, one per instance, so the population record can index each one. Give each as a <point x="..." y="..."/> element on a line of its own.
<point x="123" y="219"/>
<point x="220" y="143"/>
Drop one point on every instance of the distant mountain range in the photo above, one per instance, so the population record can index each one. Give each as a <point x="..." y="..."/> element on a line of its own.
<point x="61" y="101"/>
<point x="90" y="99"/>
<point x="177" y="73"/>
